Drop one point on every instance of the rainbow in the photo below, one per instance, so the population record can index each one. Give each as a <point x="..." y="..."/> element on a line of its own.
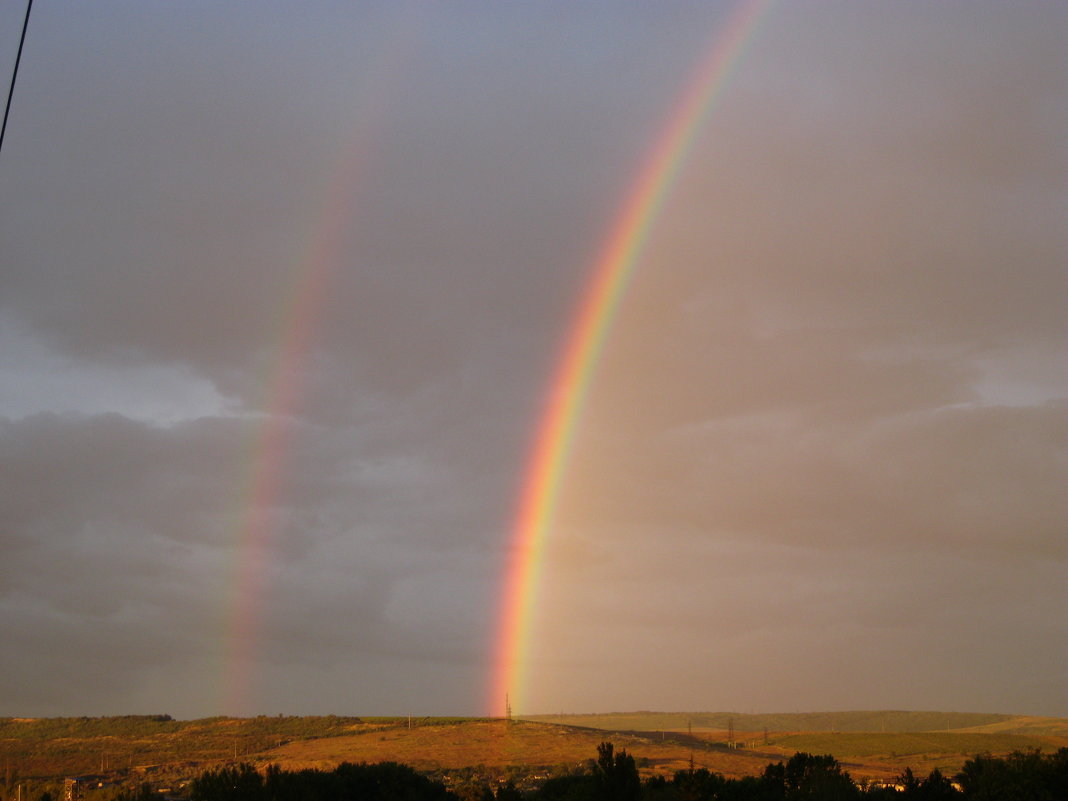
<point x="264" y="482"/>
<point x="610" y="276"/>
<point x="302" y="306"/>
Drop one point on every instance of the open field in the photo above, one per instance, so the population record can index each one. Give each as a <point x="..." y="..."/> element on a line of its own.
<point x="878" y="754"/>
<point x="869" y="744"/>
<point x="45" y="747"/>
<point x="164" y="750"/>
<point x="867" y="721"/>
<point x="556" y="747"/>
<point x="498" y="744"/>
<point x="1023" y="724"/>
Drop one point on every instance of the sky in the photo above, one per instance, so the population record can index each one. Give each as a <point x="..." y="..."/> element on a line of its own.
<point x="283" y="289"/>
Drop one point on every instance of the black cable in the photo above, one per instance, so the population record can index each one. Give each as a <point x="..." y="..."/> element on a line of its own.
<point x="15" y="72"/>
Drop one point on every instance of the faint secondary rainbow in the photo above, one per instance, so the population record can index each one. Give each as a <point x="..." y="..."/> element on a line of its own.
<point x="302" y="308"/>
<point x="611" y="273"/>
<point x="268" y="454"/>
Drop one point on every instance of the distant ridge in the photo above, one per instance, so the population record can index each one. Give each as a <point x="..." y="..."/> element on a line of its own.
<point x="853" y="721"/>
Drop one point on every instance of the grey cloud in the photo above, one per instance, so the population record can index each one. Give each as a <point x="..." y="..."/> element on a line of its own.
<point x="975" y="477"/>
<point x="827" y="419"/>
<point x="123" y="538"/>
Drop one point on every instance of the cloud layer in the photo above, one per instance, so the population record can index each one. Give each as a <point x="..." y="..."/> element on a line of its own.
<point x="821" y="464"/>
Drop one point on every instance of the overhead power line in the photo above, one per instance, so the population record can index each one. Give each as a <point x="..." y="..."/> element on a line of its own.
<point x="15" y="72"/>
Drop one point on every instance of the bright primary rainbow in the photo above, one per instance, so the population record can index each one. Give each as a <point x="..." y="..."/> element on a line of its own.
<point x="610" y="275"/>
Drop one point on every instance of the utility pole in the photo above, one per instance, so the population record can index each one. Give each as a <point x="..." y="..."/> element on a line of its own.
<point x="507" y="708"/>
<point x="730" y="732"/>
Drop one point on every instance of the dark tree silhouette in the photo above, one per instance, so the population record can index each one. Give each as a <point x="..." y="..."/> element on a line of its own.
<point x="1021" y="776"/>
<point x="806" y="777"/>
<point x="616" y="775"/>
<point x="385" y="781"/>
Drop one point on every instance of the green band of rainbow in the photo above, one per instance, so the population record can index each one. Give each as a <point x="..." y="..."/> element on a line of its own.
<point x="610" y="277"/>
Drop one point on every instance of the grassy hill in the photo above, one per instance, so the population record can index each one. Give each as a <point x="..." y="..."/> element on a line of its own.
<point x="881" y="721"/>
<point x="877" y="744"/>
<point x="165" y="752"/>
<point x="1023" y="724"/>
<point x="72" y="746"/>
<point x="544" y="747"/>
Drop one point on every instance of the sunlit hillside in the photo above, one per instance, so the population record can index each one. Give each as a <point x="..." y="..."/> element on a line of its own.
<point x="861" y="721"/>
<point x="165" y="752"/>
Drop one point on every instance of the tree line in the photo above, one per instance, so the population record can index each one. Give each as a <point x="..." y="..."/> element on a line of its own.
<point x="1021" y="776"/>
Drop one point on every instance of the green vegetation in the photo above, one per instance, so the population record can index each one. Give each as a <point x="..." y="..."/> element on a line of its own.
<point x="62" y="728"/>
<point x="901" y="744"/>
